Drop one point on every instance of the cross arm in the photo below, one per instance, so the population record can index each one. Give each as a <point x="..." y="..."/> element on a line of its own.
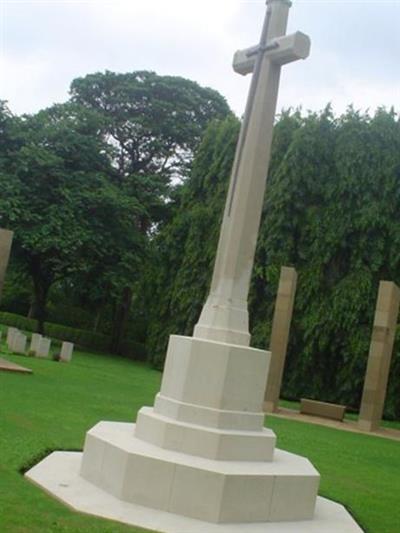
<point x="282" y="50"/>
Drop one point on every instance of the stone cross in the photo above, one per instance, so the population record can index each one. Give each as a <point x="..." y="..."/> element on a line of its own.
<point x="202" y="452"/>
<point x="6" y="238"/>
<point x="225" y="316"/>
<point x="280" y="336"/>
<point x="380" y="355"/>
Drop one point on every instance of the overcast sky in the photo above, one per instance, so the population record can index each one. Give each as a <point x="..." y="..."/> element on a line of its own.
<point x="355" y="55"/>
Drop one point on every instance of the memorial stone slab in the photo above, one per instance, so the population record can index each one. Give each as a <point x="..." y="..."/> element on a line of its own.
<point x="19" y="343"/>
<point x="67" y="349"/>
<point x="10" y="337"/>
<point x="35" y="342"/>
<point x="43" y="349"/>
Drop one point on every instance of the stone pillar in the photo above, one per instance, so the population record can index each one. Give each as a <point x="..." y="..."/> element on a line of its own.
<point x="6" y="238"/>
<point x="280" y="336"/>
<point x="380" y="355"/>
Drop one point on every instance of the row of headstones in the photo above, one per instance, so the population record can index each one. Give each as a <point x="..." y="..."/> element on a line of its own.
<point x="39" y="347"/>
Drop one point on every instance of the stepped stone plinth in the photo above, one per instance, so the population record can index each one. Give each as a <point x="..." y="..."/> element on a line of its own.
<point x="199" y="458"/>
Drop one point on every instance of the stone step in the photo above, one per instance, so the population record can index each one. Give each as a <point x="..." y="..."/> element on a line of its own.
<point x="211" y="443"/>
<point x="58" y="474"/>
<point x="210" y="490"/>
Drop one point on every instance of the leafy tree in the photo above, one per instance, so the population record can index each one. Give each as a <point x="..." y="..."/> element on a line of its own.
<point x="66" y="212"/>
<point x="152" y="124"/>
<point x="330" y="211"/>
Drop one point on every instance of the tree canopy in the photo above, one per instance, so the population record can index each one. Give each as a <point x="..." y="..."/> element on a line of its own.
<point x="86" y="183"/>
<point x="67" y="215"/>
<point x="152" y="125"/>
<point x="330" y="211"/>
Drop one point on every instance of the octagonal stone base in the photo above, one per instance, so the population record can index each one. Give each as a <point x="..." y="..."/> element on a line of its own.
<point x="210" y="490"/>
<point x="58" y="474"/>
<point x="200" y="459"/>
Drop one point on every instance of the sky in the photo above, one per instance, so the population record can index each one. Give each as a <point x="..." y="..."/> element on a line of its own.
<point x="45" y="44"/>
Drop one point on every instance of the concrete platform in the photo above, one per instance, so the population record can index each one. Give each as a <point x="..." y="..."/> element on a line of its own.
<point x="8" y="366"/>
<point x="58" y="474"/>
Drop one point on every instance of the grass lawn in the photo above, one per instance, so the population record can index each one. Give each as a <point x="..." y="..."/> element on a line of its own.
<point x="53" y="408"/>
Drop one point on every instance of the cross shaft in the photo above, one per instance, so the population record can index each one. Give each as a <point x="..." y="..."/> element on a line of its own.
<point x="225" y="317"/>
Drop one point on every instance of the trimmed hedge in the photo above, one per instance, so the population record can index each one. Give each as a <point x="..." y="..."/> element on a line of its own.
<point x="80" y="337"/>
<point x="18" y="321"/>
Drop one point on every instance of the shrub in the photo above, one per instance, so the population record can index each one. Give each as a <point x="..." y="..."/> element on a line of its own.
<point x="134" y="350"/>
<point x="18" y="321"/>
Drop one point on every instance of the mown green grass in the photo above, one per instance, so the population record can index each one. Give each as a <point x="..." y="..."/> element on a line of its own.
<point x="53" y="408"/>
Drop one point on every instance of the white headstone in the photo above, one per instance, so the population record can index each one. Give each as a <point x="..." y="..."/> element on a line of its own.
<point x="66" y="352"/>
<point x="19" y="343"/>
<point x="10" y="337"/>
<point x="43" y="348"/>
<point x="35" y="341"/>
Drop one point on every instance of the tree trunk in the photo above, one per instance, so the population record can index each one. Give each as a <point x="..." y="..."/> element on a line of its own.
<point x="41" y="286"/>
<point x="120" y="320"/>
<point x="96" y="320"/>
<point x="31" y="311"/>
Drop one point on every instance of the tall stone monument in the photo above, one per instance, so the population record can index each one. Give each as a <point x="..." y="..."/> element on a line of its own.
<point x="201" y="460"/>
<point x="380" y="356"/>
<point x="6" y="238"/>
<point x="280" y="336"/>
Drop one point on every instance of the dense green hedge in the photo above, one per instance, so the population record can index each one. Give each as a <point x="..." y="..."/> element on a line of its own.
<point x="331" y="211"/>
<point x="80" y="337"/>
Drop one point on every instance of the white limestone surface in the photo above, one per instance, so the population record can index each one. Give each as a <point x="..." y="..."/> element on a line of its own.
<point x="19" y="343"/>
<point x="11" y="332"/>
<point x="205" y="489"/>
<point x="58" y="474"/>
<point x="35" y="342"/>
<point x="224" y="445"/>
<point x="43" y="348"/>
<point x="67" y="349"/>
